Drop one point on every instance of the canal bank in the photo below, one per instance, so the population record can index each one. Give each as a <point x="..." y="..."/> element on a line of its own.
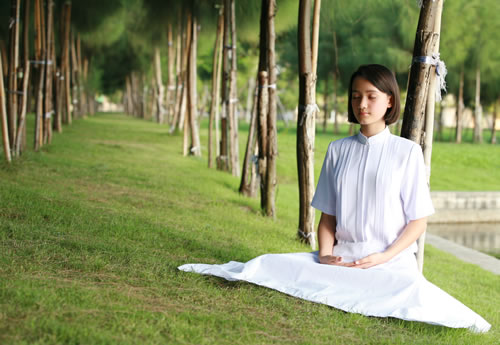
<point x="466" y="224"/>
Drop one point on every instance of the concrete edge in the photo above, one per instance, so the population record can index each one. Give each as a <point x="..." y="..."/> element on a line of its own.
<point x="472" y="256"/>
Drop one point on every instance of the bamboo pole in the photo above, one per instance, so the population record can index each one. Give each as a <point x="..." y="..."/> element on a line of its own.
<point x="23" y="99"/>
<point x="40" y="63"/>
<point x="48" y="108"/>
<point x="65" y="62"/>
<point x="223" y="161"/>
<point x="3" y="116"/>
<point x="233" y="98"/>
<point x="160" y="92"/>
<point x="170" y="97"/>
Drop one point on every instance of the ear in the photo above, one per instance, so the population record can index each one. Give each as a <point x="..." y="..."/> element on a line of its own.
<point x="389" y="104"/>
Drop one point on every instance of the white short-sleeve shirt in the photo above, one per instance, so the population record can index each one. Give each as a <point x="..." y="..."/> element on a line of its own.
<point x="374" y="186"/>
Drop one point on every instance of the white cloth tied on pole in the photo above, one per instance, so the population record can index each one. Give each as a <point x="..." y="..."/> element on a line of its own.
<point x="441" y="71"/>
<point x="308" y="110"/>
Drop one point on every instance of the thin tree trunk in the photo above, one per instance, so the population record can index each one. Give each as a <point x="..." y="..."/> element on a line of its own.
<point x="272" y="142"/>
<point x="3" y="53"/>
<point x="65" y="67"/>
<point x="262" y="103"/>
<point x="13" y="66"/>
<point x="48" y="108"/>
<point x="215" y="90"/>
<point x="325" y="105"/>
<point x="418" y="85"/>
<point x="250" y="93"/>
<point x="3" y="116"/>
<point x="23" y="99"/>
<point x="178" y="69"/>
<point x="180" y="107"/>
<point x="494" y="123"/>
<point x="246" y="173"/>
<point x="233" y="98"/>
<point x="420" y="101"/>
<point x="478" y="110"/>
<point x="159" y="95"/>
<point x="40" y="59"/>
<point x="306" y="120"/>
<point x="193" y="97"/>
<point x="186" y="66"/>
<point x="223" y="159"/>
<point x="75" y="78"/>
<point x="336" y="75"/>
<point x="170" y="99"/>
<point x="460" y="108"/>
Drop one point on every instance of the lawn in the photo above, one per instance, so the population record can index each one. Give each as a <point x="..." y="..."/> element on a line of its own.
<point x="93" y="228"/>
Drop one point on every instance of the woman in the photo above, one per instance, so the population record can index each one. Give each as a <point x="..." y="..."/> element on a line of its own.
<point x="374" y="199"/>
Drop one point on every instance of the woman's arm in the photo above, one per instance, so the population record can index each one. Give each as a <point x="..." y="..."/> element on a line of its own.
<point x="410" y="234"/>
<point x="326" y="238"/>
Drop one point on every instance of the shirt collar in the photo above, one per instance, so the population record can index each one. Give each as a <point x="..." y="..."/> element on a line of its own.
<point x="374" y="139"/>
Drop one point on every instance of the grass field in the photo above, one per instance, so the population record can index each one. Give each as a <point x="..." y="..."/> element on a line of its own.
<point x="93" y="228"/>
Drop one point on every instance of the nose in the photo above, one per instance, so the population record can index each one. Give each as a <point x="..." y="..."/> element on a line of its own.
<point x="363" y="103"/>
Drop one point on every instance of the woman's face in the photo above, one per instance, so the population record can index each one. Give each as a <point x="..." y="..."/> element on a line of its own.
<point x="369" y="104"/>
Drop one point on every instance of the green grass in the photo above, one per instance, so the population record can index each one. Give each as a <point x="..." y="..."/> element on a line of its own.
<point x="93" y="227"/>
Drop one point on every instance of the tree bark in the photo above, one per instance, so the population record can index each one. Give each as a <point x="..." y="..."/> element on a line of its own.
<point x="478" y="110"/>
<point x="159" y="94"/>
<point x="215" y="91"/>
<point x="418" y="86"/>
<point x="40" y="62"/>
<point x="422" y="84"/>
<point x="48" y="108"/>
<point x="460" y="108"/>
<point x="233" y="98"/>
<point x="494" y="123"/>
<point x="263" y="109"/>
<point x="65" y="63"/>
<point x="170" y="99"/>
<point x="13" y="67"/>
<point x="306" y="126"/>
<point x="272" y="141"/>
<point x="193" y="96"/>
<point x="223" y="158"/>
<point x="3" y="116"/>
<point x="247" y="176"/>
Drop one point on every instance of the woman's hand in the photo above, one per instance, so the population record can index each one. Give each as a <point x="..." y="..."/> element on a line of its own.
<point x="371" y="260"/>
<point x="334" y="260"/>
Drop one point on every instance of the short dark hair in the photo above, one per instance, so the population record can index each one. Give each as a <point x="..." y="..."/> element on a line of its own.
<point x="383" y="79"/>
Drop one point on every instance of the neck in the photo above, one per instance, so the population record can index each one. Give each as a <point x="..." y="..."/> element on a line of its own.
<point x="372" y="129"/>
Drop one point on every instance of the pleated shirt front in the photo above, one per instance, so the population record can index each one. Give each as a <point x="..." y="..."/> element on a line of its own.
<point x="374" y="186"/>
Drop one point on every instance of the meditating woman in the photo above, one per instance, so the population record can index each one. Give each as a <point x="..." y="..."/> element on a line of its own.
<point x="375" y="200"/>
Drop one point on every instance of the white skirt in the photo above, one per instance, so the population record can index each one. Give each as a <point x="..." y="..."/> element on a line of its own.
<point x="394" y="289"/>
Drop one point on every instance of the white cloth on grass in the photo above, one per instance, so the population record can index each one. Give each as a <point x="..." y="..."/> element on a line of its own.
<point x="374" y="186"/>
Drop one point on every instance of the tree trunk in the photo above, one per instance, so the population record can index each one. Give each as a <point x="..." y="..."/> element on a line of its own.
<point x="460" y="108"/>
<point x="272" y="141"/>
<point x="325" y="105"/>
<point x="75" y="78"/>
<point x="478" y="110"/>
<point x="233" y="97"/>
<point x="215" y="90"/>
<point x="494" y="123"/>
<point x="306" y="124"/>
<point x="193" y="97"/>
<point x="250" y="93"/>
<point x="3" y="116"/>
<point x="23" y="99"/>
<point x="336" y="75"/>
<point x="48" y="108"/>
<point x="65" y="63"/>
<point x="159" y="95"/>
<point x="418" y="85"/>
<point x="223" y="159"/>
<point x="81" y="79"/>
<point x="13" y="66"/>
<point x="182" y="79"/>
<point x="262" y="103"/>
<point x="420" y="99"/>
<point x="3" y="53"/>
<point x="170" y="99"/>
<point x="40" y="59"/>
<point x="247" y="177"/>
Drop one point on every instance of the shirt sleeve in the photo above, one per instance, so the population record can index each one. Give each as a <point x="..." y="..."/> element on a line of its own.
<point x="415" y="193"/>
<point x="324" y="197"/>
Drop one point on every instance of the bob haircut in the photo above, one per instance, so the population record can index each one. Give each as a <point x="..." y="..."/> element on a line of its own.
<point x="383" y="79"/>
